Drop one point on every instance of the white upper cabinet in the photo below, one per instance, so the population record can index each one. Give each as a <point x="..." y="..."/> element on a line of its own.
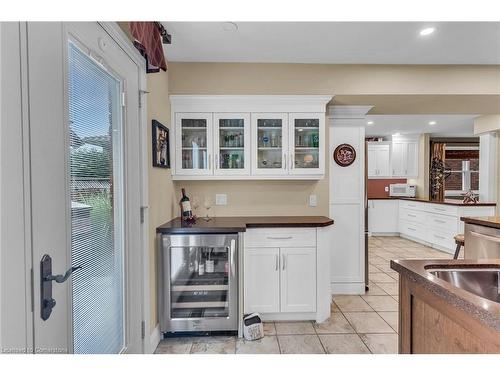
<point x="270" y="144"/>
<point x="379" y="159"/>
<point x="232" y="144"/>
<point x="222" y="137"/>
<point x="396" y="159"/>
<point x="307" y="143"/>
<point x="405" y="158"/>
<point x="193" y="137"/>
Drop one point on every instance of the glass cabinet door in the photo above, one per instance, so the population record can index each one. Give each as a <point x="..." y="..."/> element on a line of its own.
<point x="193" y="133"/>
<point x="199" y="282"/>
<point x="232" y="137"/>
<point x="307" y="143"/>
<point x="270" y="143"/>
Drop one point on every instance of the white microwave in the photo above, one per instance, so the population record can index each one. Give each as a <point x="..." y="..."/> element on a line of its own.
<point x="402" y="190"/>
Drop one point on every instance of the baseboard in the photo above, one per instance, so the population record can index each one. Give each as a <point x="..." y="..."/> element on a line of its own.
<point x="385" y="234"/>
<point x="154" y="339"/>
<point x="348" y="288"/>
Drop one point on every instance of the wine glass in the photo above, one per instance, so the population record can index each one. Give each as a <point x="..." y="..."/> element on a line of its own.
<point x="195" y="203"/>
<point x="207" y="204"/>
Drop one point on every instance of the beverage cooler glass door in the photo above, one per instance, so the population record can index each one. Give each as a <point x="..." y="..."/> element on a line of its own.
<point x="270" y="143"/>
<point x="200" y="283"/>
<point x="307" y="137"/>
<point x="194" y="143"/>
<point x="232" y="139"/>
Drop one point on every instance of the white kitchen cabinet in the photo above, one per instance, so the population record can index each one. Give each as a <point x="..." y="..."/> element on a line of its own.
<point x="262" y="293"/>
<point x="383" y="216"/>
<point x="298" y="279"/>
<point x="281" y="276"/>
<point x="404" y="159"/>
<point x="244" y="137"/>
<point x="232" y="144"/>
<point x="194" y="140"/>
<point x="270" y="152"/>
<point x="379" y="159"/>
<point x="307" y="143"/>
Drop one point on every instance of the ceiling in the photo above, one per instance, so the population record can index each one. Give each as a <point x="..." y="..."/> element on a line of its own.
<point x="446" y="125"/>
<point x="335" y="42"/>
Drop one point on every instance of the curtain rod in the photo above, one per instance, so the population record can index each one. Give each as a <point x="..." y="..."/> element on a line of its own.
<point x="166" y="37"/>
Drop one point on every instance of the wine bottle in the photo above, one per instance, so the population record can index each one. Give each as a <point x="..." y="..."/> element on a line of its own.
<point x="185" y="206"/>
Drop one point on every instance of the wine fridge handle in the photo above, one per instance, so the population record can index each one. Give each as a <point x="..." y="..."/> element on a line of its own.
<point x="233" y="263"/>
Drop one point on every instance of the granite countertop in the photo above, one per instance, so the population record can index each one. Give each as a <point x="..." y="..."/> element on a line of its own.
<point x="486" y="221"/>
<point x="241" y="223"/>
<point x="482" y="309"/>
<point x="450" y="202"/>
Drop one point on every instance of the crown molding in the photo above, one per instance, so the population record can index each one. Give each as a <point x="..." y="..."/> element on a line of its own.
<point x="348" y="111"/>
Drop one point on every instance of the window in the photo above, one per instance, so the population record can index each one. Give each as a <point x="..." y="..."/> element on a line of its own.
<point x="462" y="166"/>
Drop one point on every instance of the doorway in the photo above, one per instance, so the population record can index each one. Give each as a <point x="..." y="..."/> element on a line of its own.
<point x="84" y="179"/>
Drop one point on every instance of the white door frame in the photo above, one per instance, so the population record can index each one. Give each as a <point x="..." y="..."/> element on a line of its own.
<point x="16" y="338"/>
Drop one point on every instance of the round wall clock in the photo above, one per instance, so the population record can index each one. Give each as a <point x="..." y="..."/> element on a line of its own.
<point x="344" y="155"/>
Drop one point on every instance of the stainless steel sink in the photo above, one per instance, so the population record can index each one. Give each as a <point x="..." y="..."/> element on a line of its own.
<point x="482" y="282"/>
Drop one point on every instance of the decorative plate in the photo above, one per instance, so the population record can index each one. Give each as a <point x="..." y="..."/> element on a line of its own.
<point x="344" y="155"/>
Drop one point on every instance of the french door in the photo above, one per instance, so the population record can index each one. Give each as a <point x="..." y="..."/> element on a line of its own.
<point x="85" y="190"/>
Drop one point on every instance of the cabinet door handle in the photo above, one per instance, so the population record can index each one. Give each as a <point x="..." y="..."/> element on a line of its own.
<point x="284" y="257"/>
<point x="279" y="238"/>
<point x="209" y="166"/>
<point x="410" y="215"/>
<point x="284" y="161"/>
<point x="216" y="162"/>
<point x="291" y="160"/>
<point x="277" y="262"/>
<point x="439" y="221"/>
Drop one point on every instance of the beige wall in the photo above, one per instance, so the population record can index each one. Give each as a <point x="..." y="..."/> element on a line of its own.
<point x="291" y="197"/>
<point x="162" y="202"/>
<point x="161" y="188"/>
<point x="498" y="173"/>
<point x="484" y="124"/>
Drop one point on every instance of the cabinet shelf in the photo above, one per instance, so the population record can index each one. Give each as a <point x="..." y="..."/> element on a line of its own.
<point x="194" y="148"/>
<point x="232" y="148"/>
<point x="269" y="148"/>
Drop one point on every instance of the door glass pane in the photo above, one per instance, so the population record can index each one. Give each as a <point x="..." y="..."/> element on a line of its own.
<point x="306" y="151"/>
<point x="269" y="143"/>
<point x="194" y="143"/>
<point x="199" y="282"/>
<point x="231" y="143"/>
<point x="96" y="185"/>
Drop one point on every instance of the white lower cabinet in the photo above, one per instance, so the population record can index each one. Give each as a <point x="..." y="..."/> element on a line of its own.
<point x="262" y="293"/>
<point x="280" y="280"/>
<point x="383" y="216"/>
<point x="280" y="273"/>
<point x="298" y="279"/>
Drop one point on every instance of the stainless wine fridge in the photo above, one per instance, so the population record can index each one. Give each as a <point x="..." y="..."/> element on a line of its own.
<point x="198" y="283"/>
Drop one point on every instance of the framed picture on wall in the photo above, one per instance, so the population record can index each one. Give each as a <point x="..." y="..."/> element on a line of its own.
<point x="161" y="145"/>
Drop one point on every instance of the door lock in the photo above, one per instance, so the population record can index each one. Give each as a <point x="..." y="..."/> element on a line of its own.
<point x="47" y="303"/>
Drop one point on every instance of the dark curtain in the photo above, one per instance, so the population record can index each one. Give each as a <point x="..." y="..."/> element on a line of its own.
<point x="437" y="171"/>
<point x="148" y="40"/>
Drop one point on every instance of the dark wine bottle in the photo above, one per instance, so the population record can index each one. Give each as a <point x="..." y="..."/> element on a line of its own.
<point x="185" y="206"/>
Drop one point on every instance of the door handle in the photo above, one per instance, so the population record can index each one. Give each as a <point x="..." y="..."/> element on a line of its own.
<point x="283" y="262"/>
<point x="47" y="303"/>
<point x="277" y="262"/>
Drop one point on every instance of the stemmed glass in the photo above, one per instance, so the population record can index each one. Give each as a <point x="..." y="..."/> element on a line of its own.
<point x="195" y="203"/>
<point x="207" y="204"/>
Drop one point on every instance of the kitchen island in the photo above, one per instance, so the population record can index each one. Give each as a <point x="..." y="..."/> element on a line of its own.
<point x="448" y="306"/>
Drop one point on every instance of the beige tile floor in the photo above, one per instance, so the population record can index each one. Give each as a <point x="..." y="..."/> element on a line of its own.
<point x="365" y="323"/>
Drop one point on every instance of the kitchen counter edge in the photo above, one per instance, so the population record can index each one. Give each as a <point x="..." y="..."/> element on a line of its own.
<point x="485" y="221"/>
<point x="449" y="202"/>
<point x="241" y="224"/>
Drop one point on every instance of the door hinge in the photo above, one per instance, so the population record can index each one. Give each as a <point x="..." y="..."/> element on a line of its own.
<point x="143" y="210"/>
<point x="141" y="92"/>
<point x="123" y="99"/>
<point x="143" y="329"/>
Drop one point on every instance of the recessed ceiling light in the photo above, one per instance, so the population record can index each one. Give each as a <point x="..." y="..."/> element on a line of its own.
<point x="370" y="123"/>
<point x="229" y="26"/>
<point x="432" y="122"/>
<point x="427" y="31"/>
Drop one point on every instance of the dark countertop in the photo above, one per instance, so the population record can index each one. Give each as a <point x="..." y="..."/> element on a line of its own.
<point x="485" y="221"/>
<point x="241" y="223"/>
<point x="449" y="202"/>
<point x="482" y="309"/>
